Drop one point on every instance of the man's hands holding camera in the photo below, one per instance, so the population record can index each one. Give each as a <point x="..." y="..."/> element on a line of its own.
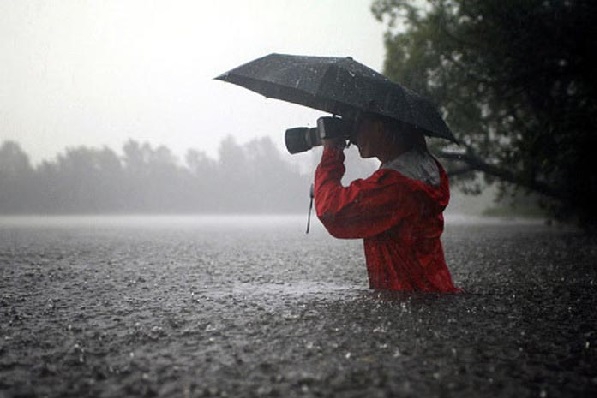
<point x="336" y="142"/>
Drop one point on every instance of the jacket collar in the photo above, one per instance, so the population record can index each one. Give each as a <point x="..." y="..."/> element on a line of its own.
<point x="417" y="165"/>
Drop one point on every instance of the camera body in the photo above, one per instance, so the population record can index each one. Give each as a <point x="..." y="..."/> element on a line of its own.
<point x="302" y="139"/>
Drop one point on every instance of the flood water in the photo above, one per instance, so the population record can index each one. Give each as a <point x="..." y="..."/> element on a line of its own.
<point x="251" y="306"/>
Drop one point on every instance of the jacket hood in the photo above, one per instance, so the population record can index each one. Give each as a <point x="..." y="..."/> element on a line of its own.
<point x="423" y="173"/>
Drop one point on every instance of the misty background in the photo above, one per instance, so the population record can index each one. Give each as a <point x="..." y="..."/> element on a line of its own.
<point x="98" y="73"/>
<point x="111" y="106"/>
<point x="244" y="178"/>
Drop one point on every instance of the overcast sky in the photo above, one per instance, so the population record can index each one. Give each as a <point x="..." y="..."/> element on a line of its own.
<point x="97" y="73"/>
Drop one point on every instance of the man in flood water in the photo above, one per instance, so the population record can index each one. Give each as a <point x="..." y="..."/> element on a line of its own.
<point x="397" y="211"/>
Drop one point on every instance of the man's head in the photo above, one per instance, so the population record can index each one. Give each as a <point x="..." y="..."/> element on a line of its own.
<point x="383" y="138"/>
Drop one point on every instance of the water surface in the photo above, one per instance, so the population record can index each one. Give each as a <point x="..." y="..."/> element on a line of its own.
<point x="243" y="306"/>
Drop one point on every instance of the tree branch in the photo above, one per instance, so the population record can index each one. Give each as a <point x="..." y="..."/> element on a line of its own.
<point x="459" y="171"/>
<point x="475" y="163"/>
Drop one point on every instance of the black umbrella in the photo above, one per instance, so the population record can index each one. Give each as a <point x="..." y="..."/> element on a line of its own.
<point x="340" y="86"/>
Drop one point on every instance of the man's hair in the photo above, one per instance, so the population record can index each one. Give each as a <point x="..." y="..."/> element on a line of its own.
<point x="403" y="134"/>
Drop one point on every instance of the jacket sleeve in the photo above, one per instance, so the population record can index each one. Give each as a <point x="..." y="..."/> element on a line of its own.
<point x="366" y="208"/>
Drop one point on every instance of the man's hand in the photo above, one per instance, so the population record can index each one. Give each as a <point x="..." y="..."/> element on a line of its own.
<point x="338" y="143"/>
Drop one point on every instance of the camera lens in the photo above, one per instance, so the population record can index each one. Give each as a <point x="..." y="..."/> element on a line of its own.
<point x="301" y="139"/>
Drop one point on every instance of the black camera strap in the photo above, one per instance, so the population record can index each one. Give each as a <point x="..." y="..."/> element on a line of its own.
<point x="311" y="197"/>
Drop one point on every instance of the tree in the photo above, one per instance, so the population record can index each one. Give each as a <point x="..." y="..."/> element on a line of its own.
<point x="253" y="177"/>
<point x="15" y="178"/>
<point x="155" y="181"/>
<point x="516" y="83"/>
<point x="202" y="177"/>
<point x="275" y="184"/>
<point x="86" y="180"/>
<point x="233" y="176"/>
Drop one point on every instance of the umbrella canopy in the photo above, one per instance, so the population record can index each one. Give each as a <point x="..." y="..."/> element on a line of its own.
<point x="340" y="86"/>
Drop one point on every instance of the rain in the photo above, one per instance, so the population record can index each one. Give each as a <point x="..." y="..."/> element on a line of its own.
<point x="139" y="308"/>
<point x="152" y="227"/>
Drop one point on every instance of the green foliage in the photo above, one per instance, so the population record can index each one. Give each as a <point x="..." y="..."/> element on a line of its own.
<point x="15" y="176"/>
<point x="516" y="82"/>
<point x="246" y="178"/>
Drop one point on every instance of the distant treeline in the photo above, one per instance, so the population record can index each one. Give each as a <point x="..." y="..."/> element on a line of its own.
<point x="253" y="177"/>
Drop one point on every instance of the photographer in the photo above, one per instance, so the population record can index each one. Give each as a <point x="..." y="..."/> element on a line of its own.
<point x="397" y="211"/>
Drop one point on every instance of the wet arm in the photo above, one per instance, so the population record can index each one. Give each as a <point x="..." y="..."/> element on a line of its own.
<point x="363" y="209"/>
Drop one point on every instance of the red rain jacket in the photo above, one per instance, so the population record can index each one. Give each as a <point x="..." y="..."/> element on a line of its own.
<point x="400" y="220"/>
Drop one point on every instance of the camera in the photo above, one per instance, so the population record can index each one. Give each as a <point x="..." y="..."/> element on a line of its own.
<point x="301" y="139"/>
